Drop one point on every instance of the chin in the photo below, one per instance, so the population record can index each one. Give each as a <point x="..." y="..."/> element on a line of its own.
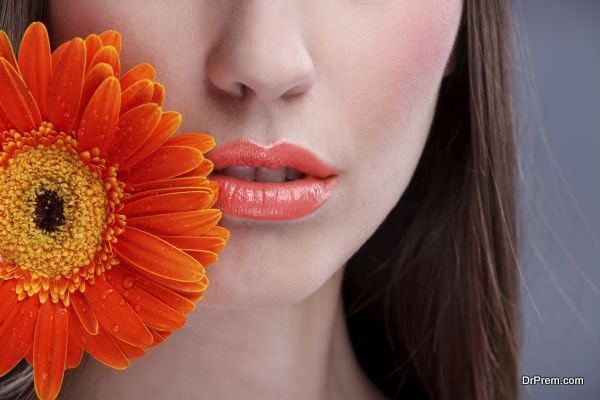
<point x="261" y="285"/>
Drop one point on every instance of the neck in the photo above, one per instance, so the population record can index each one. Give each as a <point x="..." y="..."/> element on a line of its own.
<point x="300" y="351"/>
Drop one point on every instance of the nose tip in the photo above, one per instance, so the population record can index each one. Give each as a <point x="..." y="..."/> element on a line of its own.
<point x="266" y="82"/>
<point x="268" y="64"/>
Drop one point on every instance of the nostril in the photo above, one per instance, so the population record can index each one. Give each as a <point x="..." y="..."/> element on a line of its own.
<point x="243" y="90"/>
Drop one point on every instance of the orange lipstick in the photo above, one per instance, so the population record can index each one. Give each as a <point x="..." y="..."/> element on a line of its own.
<point x="282" y="181"/>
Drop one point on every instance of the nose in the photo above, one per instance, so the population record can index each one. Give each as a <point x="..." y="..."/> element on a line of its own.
<point x="261" y="51"/>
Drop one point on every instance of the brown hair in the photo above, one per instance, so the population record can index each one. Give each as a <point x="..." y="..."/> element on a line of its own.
<point x="432" y="296"/>
<point x="446" y="324"/>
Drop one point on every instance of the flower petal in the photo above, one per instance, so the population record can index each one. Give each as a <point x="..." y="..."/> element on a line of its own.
<point x="149" y="253"/>
<point x="8" y="298"/>
<point x="6" y="50"/>
<point x="101" y="346"/>
<point x="189" y="223"/>
<point x="66" y="85"/>
<point x="163" y="334"/>
<point x="99" y="121"/>
<point x="210" y="243"/>
<point x="156" y="192"/>
<point x="218" y="231"/>
<point x="16" y="333"/>
<point x="133" y="128"/>
<point x="93" y="44"/>
<point x="194" y="181"/>
<point x="170" y="298"/>
<point x="166" y="162"/>
<point x="158" y="95"/>
<point x="201" y="141"/>
<point x="168" y="203"/>
<point x="57" y="53"/>
<point x="16" y="100"/>
<point x="109" y="55"/>
<point x="170" y="284"/>
<point x="29" y="356"/>
<point x="93" y="79"/>
<point x="74" y="353"/>
<point x="50" y="349"/>
<point x="86" y="316"/>
<point x="130" y="351"/>
<point x="214" y="186"/>
<point x="168" y="124"/>
<point x="35" y="64"/>
<point x="137" y="73"/>
<point x="136" y="94"/>
<point x="204" y="257"/>
<point x="115" y="314"/>
<point x="111" y="38"/>
<point x="5" y="122"/>
<point x="152" y="311"/>
<point x="196" y="296"/>
<point x="204" y="169"/>
<point x="157" y="338"/>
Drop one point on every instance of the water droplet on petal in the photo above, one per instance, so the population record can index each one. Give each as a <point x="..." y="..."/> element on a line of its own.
<point x="128" y="282"/>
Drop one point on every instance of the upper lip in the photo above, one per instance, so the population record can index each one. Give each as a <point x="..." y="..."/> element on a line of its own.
<point x="278" y="155"/>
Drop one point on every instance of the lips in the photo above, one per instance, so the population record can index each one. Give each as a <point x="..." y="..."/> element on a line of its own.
<point x="280" y="155"/>
<point x="313" y="180"/>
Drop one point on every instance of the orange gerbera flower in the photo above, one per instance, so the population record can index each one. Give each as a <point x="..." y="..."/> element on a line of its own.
<point x="106" y="222"/>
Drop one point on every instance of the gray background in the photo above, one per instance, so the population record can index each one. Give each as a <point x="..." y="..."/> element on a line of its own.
<point x="558" y="87"/>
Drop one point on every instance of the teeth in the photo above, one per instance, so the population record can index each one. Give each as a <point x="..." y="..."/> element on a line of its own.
<point x="262" y="174"/>
<point x="292" y="174"/>
<point x="243" y="172"/>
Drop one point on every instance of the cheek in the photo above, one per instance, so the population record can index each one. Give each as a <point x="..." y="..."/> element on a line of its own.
<point x="144" y="39"/>
<point x="397" y="64"/>
<point x="389" y="88"/>
<point x="68" y="19"/>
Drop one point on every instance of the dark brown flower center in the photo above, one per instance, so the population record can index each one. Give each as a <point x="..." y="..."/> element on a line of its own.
<point x="49" y="211"/>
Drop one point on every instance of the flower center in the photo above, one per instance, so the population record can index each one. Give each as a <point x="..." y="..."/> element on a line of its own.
<point x="49" y="211"/>
<point x="53" y="212"/>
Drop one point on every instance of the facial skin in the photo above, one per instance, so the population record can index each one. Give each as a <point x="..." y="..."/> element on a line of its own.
<point x="354" y="81"/>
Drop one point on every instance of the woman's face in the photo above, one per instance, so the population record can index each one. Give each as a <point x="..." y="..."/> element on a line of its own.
<point x="353" y="81"/>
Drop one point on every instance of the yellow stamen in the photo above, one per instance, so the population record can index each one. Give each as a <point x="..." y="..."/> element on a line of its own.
<point x="58" y="213"/>
<point x="72" y="244"/>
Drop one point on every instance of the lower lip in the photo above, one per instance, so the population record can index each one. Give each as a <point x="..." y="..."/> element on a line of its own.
<point x="273" y="201"/>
